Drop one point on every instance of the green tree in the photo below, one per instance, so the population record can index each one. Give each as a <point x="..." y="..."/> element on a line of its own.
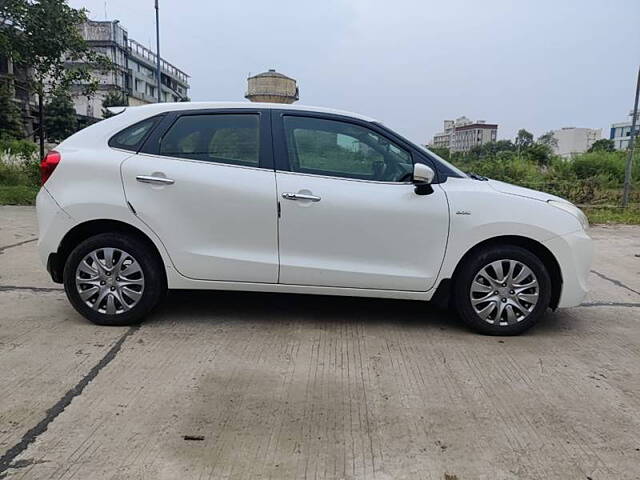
<point x="524" y="139"/>
<point x="491" y="149"/>
<point x="602" y="145"/>
<point x="113" y="99"/>
<point x="540" y="154"/>
<point x="10" y="117"/>
<point x="60" y="120"/>
<point x="441" y="151"/>
<point x="548" y="139"/>
<point x="45" y="35"/>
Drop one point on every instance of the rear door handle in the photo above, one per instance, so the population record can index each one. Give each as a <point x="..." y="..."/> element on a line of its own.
<point x="300" y="196"/>
<point x="154" y="180"/>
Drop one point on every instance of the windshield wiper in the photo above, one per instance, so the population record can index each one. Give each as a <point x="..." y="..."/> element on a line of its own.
<point x="475" y="176"/>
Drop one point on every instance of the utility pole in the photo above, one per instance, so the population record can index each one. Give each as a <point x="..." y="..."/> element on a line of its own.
<point x="627" y="172"/>
<point x="158" y="51"/>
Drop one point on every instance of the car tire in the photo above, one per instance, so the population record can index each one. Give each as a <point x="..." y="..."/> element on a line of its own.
<point x="117" y="271"/>
<point x="502" y="290"/>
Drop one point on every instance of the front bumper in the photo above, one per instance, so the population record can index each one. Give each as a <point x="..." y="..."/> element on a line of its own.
<point x="574" y="253"/>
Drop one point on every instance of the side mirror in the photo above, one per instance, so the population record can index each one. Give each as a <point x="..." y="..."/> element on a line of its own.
<point x="422" y="178"/>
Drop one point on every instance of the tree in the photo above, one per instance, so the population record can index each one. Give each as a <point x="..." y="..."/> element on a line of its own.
<point x="113" y="99"/>
<point x="540" y="153"/>
<point x="491" y="149"/>
<point x="45" y="35"/>
<point x="61" y="121"/>
<point x="10" y="117"/>
<point x="524" y="139"/>
<point x="602" y="145"/>
<point x="441" y="152"/>
<point x="548" y="139"/>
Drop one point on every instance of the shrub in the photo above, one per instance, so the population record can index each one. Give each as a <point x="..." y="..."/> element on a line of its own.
<point x="610" y="164"/>
<point x="23" y="150"/>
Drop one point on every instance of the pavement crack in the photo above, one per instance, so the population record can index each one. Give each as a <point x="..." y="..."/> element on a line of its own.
<point x="2" y="249"/>
<point x="59" y="407"/>
<point x="11" y="288"/>
<point x="618" y="283"/>
<point x="610" y="304"/>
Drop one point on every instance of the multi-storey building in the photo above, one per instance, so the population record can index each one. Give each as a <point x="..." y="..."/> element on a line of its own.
<point x="621" y="132"/>
<point x="571" y="140"/>
<point x="134" y="72"/>
<point x="463" y="134"/>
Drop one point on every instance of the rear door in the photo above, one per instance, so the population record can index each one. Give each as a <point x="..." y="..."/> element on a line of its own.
<point x="204" y="183"/>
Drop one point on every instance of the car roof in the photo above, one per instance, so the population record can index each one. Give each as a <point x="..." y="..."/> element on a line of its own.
<point x="155" y="108"/>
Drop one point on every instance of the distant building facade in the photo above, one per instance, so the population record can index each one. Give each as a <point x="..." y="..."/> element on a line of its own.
<point x="134" y="74"/>
<point x="272" y="87"/>
<point x="621" y="132"/>
<point x="572" y="140"/>
<point x="462" y="134"/>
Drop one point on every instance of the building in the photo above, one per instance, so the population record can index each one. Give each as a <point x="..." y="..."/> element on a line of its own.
<point x="571" y="140"/>
<point x="134" y="73"/>
<point x="621" y="132"/>
<point x="463" y="134"/>
<point x="272" y="87"/>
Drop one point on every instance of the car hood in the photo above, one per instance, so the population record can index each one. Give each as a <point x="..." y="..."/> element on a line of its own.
<point x="509" y="189"/>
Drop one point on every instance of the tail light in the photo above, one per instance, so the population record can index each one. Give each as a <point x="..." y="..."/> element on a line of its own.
<point x="48" y="165"/>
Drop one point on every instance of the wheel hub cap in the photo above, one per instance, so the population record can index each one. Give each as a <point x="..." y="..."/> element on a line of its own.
<point x="504" y="292"/>
<point x="110" y="280"/>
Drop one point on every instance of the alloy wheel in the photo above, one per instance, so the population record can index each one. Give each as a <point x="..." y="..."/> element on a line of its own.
<point x="504" y="292"/>
<point x="110" y="281"/>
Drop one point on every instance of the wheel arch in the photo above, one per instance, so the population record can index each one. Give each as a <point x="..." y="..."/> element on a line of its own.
<point x="84" y="230"/>
<point x="535" y="247"/>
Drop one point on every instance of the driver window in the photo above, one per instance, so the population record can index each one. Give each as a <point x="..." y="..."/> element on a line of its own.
<point x="341" y="149"/>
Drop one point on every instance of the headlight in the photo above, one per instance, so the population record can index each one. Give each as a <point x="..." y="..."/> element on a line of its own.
<point x="573" y="210"/>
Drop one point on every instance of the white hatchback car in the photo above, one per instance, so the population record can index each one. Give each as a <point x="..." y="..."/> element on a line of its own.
<point x="280" y="198"/>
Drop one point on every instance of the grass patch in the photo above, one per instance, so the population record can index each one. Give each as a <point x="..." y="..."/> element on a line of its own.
<point x="630" y="215"/>
<point x="18" y="194"/>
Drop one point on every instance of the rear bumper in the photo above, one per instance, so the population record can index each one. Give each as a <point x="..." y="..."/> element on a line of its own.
<point x="574" y="253"/>
<point x="53" y="223"/>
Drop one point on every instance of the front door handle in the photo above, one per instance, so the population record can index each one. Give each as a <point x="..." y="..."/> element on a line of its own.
<point x="154" y="180"/>
<point x="300" y="196"/>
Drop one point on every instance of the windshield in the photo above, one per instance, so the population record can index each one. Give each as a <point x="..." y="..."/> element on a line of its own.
<point x="442" y="160"/>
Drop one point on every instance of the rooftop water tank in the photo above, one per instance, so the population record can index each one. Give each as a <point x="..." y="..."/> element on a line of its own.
<point x="272" y="87"/>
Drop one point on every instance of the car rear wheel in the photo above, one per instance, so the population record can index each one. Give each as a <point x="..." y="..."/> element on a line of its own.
<point x="502" y="290"/>
<point x="113" y="279"/>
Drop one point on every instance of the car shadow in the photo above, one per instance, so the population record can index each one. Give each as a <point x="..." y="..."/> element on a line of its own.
<point x="205" y="305"/>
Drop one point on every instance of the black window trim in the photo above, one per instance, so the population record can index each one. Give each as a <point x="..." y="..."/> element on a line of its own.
<point x="151" y="145"/>
<point x="282" y="157"/>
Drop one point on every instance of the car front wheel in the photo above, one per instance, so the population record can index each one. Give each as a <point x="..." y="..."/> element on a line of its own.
<point x="503" y="290"/>
<point x="113" y="279"/>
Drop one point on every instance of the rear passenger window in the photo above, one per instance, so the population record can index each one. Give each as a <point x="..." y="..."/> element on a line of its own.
<point x="221" y="138"/>
<point x="131" y="138"/>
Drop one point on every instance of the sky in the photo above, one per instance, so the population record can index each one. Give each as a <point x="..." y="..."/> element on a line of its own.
<point x="534" y="64"/>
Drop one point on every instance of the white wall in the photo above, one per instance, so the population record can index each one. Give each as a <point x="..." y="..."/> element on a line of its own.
<point x="575" y="140"/>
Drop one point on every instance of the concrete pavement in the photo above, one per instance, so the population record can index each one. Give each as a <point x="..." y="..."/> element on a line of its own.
<point x="238" y="385"/>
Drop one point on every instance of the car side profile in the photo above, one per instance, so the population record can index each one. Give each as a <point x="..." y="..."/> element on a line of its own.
<point x="281" y="198"/>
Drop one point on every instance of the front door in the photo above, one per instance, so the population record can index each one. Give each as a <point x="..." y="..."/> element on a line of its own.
<point x="350" y="216"/>
<point x="205" y="189"/>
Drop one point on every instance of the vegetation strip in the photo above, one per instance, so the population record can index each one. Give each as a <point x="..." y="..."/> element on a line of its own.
<point x="59" y="407"/>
